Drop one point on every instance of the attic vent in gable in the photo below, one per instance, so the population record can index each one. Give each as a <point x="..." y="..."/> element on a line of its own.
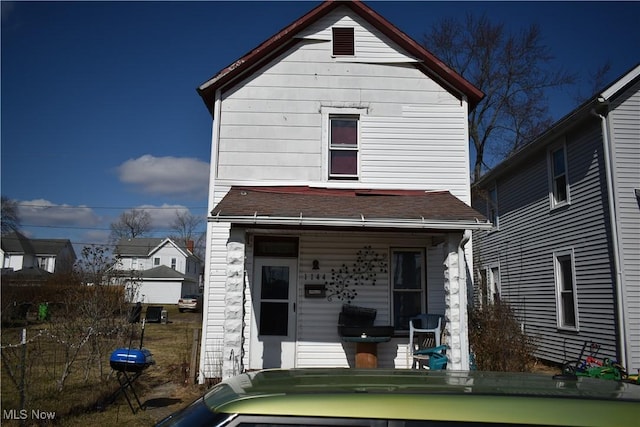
<point x="343" y="41"/>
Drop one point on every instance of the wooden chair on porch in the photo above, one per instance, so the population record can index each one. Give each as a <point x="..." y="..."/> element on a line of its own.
<point x="424" y="334"/>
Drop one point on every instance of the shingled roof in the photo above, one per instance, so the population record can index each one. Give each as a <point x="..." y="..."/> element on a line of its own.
<point x="301" y="205"/>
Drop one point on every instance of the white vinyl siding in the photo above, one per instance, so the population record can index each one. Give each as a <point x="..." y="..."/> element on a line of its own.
<point x="625" y="137"/>
<point x="412" y="130"/>
<point x="529" y="234"/>
<point x="317" y="334"/>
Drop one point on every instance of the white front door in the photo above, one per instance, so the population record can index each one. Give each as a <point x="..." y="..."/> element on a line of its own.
<point x="273" y="325"/>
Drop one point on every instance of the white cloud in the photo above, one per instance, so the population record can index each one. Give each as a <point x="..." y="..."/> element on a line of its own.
<point x="162" y="216"/>
<point x="167" y="176"/>
<point x="40" y="212"/>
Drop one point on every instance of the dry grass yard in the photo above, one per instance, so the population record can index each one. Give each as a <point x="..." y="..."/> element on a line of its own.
<point x="162" y="388"/>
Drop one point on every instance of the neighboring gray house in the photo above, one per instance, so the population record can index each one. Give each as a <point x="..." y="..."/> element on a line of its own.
<point x="340" y="146"/>
<point x="165" y="270"/>
<point x="51" y="255"/>
<point x="565" y="248"/>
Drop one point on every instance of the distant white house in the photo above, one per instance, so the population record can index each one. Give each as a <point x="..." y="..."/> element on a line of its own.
<point x="48" y="255"/>
<point x="165" y="270"/>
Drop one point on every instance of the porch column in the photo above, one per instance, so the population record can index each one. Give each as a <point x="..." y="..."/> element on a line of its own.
<point x="455" y="285"/>
<point x="234" y="305"/>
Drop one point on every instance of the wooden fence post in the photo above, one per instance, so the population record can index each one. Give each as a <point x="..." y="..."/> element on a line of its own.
<point x="193" y="366"/>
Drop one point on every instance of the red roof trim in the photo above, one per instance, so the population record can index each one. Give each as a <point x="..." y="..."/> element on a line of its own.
<point x="285" y="39"/>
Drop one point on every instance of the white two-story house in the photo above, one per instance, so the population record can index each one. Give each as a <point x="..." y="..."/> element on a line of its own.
<point x="164" y="270"/>
<point x="339" y="175"/>
<point x="47" y="255"/>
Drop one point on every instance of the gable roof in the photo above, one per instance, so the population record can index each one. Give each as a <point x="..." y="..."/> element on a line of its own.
<point x="307" y="206"/>
<point x="18" y="243"/>
<point x="599" y="102"/>
<point x="285" y="39"/>
<point x="137" y="247"/>
<point x="161" y="272"/>
<point x="145" y="246"/>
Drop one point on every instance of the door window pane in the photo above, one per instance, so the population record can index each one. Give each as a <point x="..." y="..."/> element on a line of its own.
<point x="275" y="282"/>
<point x="274" y="318"/>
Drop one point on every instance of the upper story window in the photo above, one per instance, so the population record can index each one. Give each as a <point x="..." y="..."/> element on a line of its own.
<point x="343" y="41"/>
<point x="156" y="261"/>
<point x="559" y="191"/>
<point x="343" y="147"/>
<point x="43" y="262"/>
<point x="492" y="207"/>
<point x="173" y="263"/>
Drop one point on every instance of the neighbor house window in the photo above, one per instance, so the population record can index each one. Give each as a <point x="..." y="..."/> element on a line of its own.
<point x="343" y="147"/>
<point x="559" y="181"/>
<point x="42" y="262"/>
<point x="489" y="284"/>
<point x="408" y="284"/>
<point x="173" y="263"/>
<point x="565" y="290"/>
<point x="492" y="207"/>
<point x="343" y="41"/>
<point x="156" y="261"/>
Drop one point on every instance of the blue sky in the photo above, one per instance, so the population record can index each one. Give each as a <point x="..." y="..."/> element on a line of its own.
<point x="99" y="110"/>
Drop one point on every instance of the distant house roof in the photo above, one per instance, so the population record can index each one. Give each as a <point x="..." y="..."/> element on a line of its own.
<point x="16" y="242"/>
<point x="145" y="246"/>
<point x="162" y="272"/>
<point x="50" y="246"/>
<point x="307" y="206"/>
<point x="598" y="102"/>
<point x="285" y="39"/>
<point x="25" y="274"/>
<point x="137" y="247"/>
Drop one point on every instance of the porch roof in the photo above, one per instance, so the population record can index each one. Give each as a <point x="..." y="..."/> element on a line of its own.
<point x="310" y="206"/>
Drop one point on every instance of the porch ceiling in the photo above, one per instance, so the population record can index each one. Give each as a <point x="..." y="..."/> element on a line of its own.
<point x="307" y="206"/>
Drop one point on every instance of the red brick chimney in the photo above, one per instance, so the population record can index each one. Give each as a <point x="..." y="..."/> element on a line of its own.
<point x="190" y="245"/>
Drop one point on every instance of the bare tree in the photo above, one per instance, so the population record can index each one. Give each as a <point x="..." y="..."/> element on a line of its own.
<point x="185" y="227"/>
<point x="10" y="216"/>
<point x="513" y="70"/>
<point x="131" y="224"/>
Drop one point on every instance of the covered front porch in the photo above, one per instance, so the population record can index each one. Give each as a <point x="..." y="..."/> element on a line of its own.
<point x="285" y="284"/>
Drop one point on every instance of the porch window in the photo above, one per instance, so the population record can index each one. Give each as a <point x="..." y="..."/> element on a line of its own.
<point x="565" y="290"/>
<point x="343" y="147"/>
<point x="559" y="183"/>
<point x="408" y="284"/>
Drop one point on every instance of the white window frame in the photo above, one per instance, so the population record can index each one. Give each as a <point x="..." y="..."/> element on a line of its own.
<point x="492" y="204"/>
<point x="558" y="256"/>
<point x="156" y="261"/>
<point x="554" y="203"/>
<point x="423" y="284"/>
<point x="174" y="263"/>
<point x="327" y="113"/>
